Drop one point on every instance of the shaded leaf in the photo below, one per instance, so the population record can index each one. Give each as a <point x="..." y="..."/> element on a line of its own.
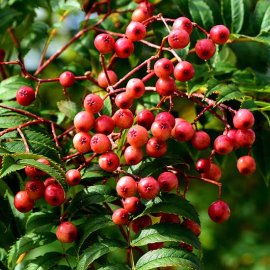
<point x="67" y="108"/>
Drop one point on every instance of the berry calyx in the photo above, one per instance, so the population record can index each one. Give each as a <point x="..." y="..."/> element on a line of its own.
<point x="25" y="95"/>
<point x="66" y="232"/>
<point x="219" y="211"/>
<point x="67" y="79"/>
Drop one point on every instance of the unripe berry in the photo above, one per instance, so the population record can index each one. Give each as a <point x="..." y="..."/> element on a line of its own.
<point x="184" y="71"/>
<point x="192" y="226"/>
<point x="104" y="124"/>
<point x="167" y="181"/>
<point x="123" y="47"/>
<point x="165" y="86"/>
<point x="123" y="118"/>
<point x="25" y="95"/>
<point x="54" y="195"/>
<point x="243" y="119"/>
<point x="73" y="177"/>
<point x="223" y="145"/>
<point x="219" y="211"/>
<point x="104" y="43"/>
<point x="123" y="101"/>
<point x="161" y="130"/>
<point x="203" y="165"/>
<point x="183" y="23"/>
<point x="166" y="116"/>
<point x="23" y="202"/>
<point x="184" y="131"/>
<point x="148" y="188"/>
<point x="109" y="161"/>
<point x="245" y="137"/>
<point x="67" y="79"/>
<point x="102" y="79"/>
<point x="219" y="34"/>
<point x="156" y="148"/>
<point x="246" y="165"/>
<point x="126" y="187"/>
<point x="135" y="31"/>
<point x="137" y="136"/>
<point x="84" y="121"/>
<point x="81" y="142"/>
<point x="66" y="232"/>
<point x="214" y="173"/>
<point x="205" y="48"/>
<point x="133" y="155"/>
<point x="34" y="172"/>
<point x="145" y="118"/>
<point x="35" y="189"/>
<point x="100" y="143"/>
<point x="200" y="140"/>
<point x="141" y="222"/>
<point x="163" y="68"/>
<point x="135" y="88"/>
<point x="178" y="39"/>
<point x="120" y="216"/>
<point x="132" y="204"/>
<point x="93" y="103"/>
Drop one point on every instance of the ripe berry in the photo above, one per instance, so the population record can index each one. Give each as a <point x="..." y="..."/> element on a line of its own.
<point x="73" y="177"/>
<point x="245" y="137"/>
<point x="243" y="119"/>
<point x="120" y="216"/>
<point x="35" y="189"/>
<point x="123" y="47"/>
<point x="223" y="145"/>
<point x="109" y="161"/>
<point x="104" y="124"/>
<point x="213" y="173"/>
<point x="126" y="187"/>
<point x="183" y="23"/>
<point x="232" y="135"/>
<point x="102" y="79"/>
<point x="145" y="118"/>
<point x="167" y="181"/>
<point x="93" y="103"/>
<point x="163" y="68"/>
<point x="192" y="226"/>
<point x="81" y="142"/>
<point x="50" y="181"/>
<point x="141" y="222"/>
<point x="135" y="31"/>
<point x="135" y="88"/>
<point x="133" y="155"/>
<point x="161" y="130"/>
<point x="219" y="211"/>
<point x="132" y="204"/>
<point x="25" y="95"/>
<point x="178" y="39"/>
<point x="219" y="34"/>
<point x="23" y="202"/>
<point x="165" y="86"/>
<point x="205" y="48"/>
<point x="147" y="6"/>
<point x="139" y="15"/>
<point x="177" y="121"/>
<point x="156" y="148"/>
<point x="166" y="116"/>
<point x="123" y="101"/>
<point x="104" y="43"/>
<point x="184" y="131"/>
<point x="169" y="218"/>
<point x="154" y="246"/>
<point x="203" y="165"/>
<point x="184" y="71"/>
<point x="84" y="121"/>
<point x="123" y="118"/>
<point x="200" y="140"/>
<point x="66" y="232"/>
<point x="34" y="172"/>
<point x="100" y="143"/>
<point x="54" y="195"/>
<point x="246" y="165"/>
<point x="148" y="188"/>
<point x="66" y="79"/>
<point x="137" y="136"/>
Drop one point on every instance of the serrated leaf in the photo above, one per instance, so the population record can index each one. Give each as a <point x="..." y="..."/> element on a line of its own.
<point x="165" y="232"/>
<point x="265" y="26"/>
<point x="229" y="92"/>
<point x="168" y="257"/>
<point x="12" y="121"/>
<point x="39" y="221"/>
<point x="115" y="267"/>
<point x="96" y="251"/>
<point x="68" y="108"/>
<point x="9" y="166"/>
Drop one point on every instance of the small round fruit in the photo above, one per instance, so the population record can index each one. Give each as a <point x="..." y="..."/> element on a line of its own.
<point x="126" y="187"/>
<point x="148" y="188"/>
<point x="54" y="195"/>
<point x="123" y="101"/>
<point x="155" y="246"/>
<point x="137" y="136"/>
<point x="163" y="68"/>
<point x="34" y="172"/>
<point x="219" y="211"/>
<point x="167" y="181"/>
<point x="192" y="226"/>
<point x="25" y="95"/>
<point x="219" y="34"/>
<point x="104" y="124"/>
<point x="205" y="48"/>
<point x="246" y="165"/>
<point x="73" y="177"/>
<point x="67" y="79"/>
<point x="200" y="140"/>
<point x="123" y="47"/>
<point x="214" y="173"/>
<point x="135" y="31"/>
<point x="139" y="15"/>
<point x="93" y="103"/>
<point x="84" y="121"/>
<point x="49" y="181"/>
<point x="81" y="142"/>
<point x="132" y="204"/>
<point x="156" y="148"/>
<point x="165" y="86"/>
<point x="203" y="165"/>
<point x="35" y="189"/>
<point x="169" y="218"/>
<point x="178" y="39"/>
<point x="232" y="135"/>
<point x="100" y="143"/>
<point x="184" y="71"/>
<point x="245" y="137"/>
<point x="123" y="118"/>
<point x="141" y="222"/>
<point x="102" y="79"/>
<point x="184" y="131"/>
<point x="183" y="23"/>
<point x="66" y="232"/>
<point x="120" y="216"/>
<point x="109" y="161"/>
<point x="104" y="43"/>
<point x="161" y="130"/>
<point x="145" y="118"/>
<point x="23" y="202"/>
<point x="223" y="145"/>
<point x="133" y="155"/>
<point x="135" y="88"/>
<point x="243" y="119"/>
<point x="166" y="116"/>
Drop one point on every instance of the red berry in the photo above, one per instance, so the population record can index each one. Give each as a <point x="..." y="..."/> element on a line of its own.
<point x="166" y="116"/>
<point x="136" y="31"/>
<point x="183" y="23"/>
<point x="102" y="79"/>
<point x="23" y="202"/>
<point x="184" y="71"/>
<point x="154" y="246"/>
<point x="141" y="222"/>
<point x="163" y="68"/>
<point x="104" y="124"/>
<point x="169" y="218"/>
<point x="66" y="232"/>
<point x="109" y="161"/>
<point x="165" y="86"/>
<point x="84" y="121"/>
<point x="54" y="195"/>
<point x="120" y="216"/>
<point x="93" y="103"/>
<point x="203" y="165"/>
<point x="133" y="155"/>
<point x="81" y="142"/>
<point x="214" y="173"/>
<point x="66" y="79"/>
<point x="34" y="172"/>
<point x="137" y="136"/>
<point x="219" y="34"/>
<point x="135" y="88"/>
<point x="192" y="226"/>
<point x="219" y="211"/>
<point x="200" y="140"/>
<point x="156" y="148"/>
<point x="245" y="137"/>
<point x="123" y="47"/>
<point x="147" y="6"/>
<point x="178" y="39"/>
<point x="132" y="204"/>
<point x="50" y="181"/>
<point x="104" y="43"/>
<point x="123" y="101"/>
<point x="100" y="143"/>
<point x="73" y="177"/>
<point x="161" y="130"/>
<point x="232" y="135"/>
<point x="123" y="118"/>
<point x="246" y="165"/>
<point x="145" y="118"/>
<point x="223" y="145"/>
<point x="35" y="189"/>
<point x="205" y="48"/>
<point x="126" y="187"/>
<point x="243" y="119"/>
<point x="148" y="188"/>
<point x="167" y="181"/>
<point x="177" y="121"/>
<point x="184" y="131"/>
<point x="140" y="15"/>
<point x="25" y="95"/>
<point x="186" y="246"/>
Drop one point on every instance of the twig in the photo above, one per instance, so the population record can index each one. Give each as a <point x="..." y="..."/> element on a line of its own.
<point x="27" y="149"/>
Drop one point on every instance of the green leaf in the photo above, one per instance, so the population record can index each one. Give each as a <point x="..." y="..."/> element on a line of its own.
<point x="229" y="92"/>
<point x="115" y="267"/>
<point x="165" y="232"/>
<point x="96" y="251"/>
<point x="107" y="108"/>
<point x="9" y="166"/>
<point x="168" y="257"/>
<point x="39" y="221"/>
<point x="172" y="204"/>
<point x="68" y="108"/>
<point x="8" y="16"/>
<point x="265" y="26"/>
<point x="12" y="121"/>
<point x="259" y="14"/>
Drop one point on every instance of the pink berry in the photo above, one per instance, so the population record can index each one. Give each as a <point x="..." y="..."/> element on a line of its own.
<point x="100" y="143"/>
<point x="135" y="88"/>
<point x="219" y="211"/>
<point x="183" y="23"/>
<point x="102" y="79"/>
<point x="163" y="68"/>
<point x="178" y="38"/>
<point x="200" y="140"/>
<point x="109" y="161"/>
<point x="23" y="202"/>
<point x="123" y="101"/>
<point x="54" y="195"/>
<point x="132" y="204"/>
<point x="126" y="187"/>
<point x="165" y="86"/>
<point x="243" y="119"/>
<point x="184" y="71"/>
<point x="123" y="118"/>
<point x="123" y="47"/>
<point x="73" y="177"/>
<point x="67" y="79"/>
<point x="104" y="43"/>
<point x="135" y="31"/>
<point x="205" y="48"/>
<point x="246" y="165"/>
<point x="167" y="181"/>
<point x="155" y="147"/>
<point x="145" y="118"/>
<point x="84" y="121"/>
<point x="203" y="165"/>
<point x="245" y="137"/>
<point x="219" y="34"/>
<point x="223" y="145"/>
<point x="120" y="216"/>
<point x="161" y="130"/>
<point x="133" y="155"/>
<point x="167" y="117"/>
<point x="93" y="103"/>
<point x="148" y="188"/>
<point x="66" y="232"/>
<point x="104" y="124"/>
<point x="35" y="189"/>
<point x="184" y="131"/>
<point x="25" y="95"/>
<point x="137" y="136"/>
<point x="214" y="173"/>
<point x="81" y="142"/>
